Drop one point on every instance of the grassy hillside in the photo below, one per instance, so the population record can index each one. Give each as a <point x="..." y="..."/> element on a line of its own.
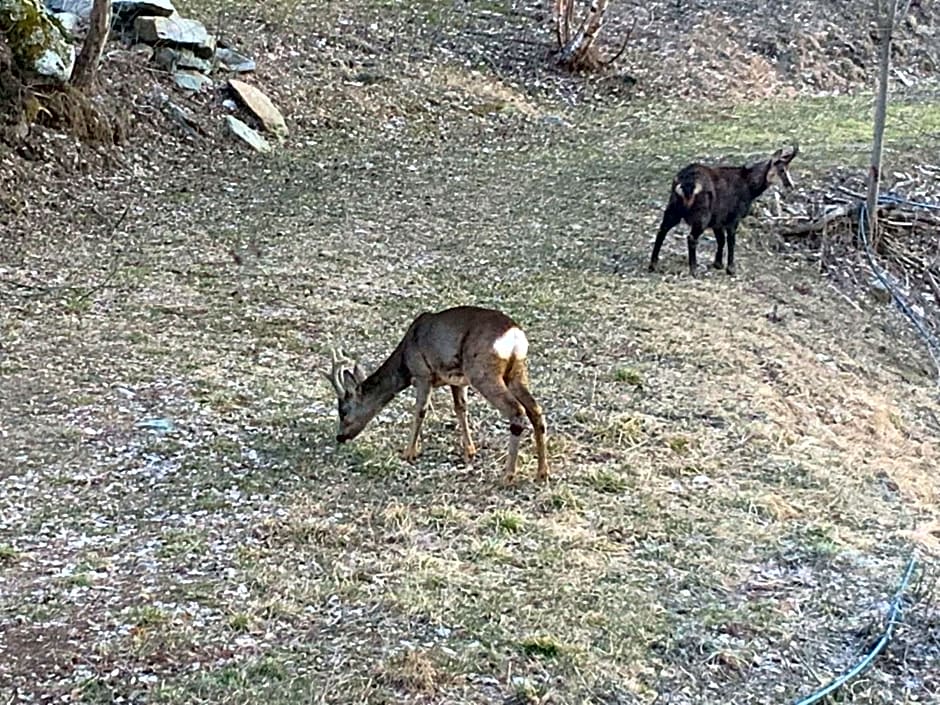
<point x="733" y="494"/>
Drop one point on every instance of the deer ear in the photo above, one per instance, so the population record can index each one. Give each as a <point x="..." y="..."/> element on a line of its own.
<point x="349" y="382"/>
<point x="358" y="373"/>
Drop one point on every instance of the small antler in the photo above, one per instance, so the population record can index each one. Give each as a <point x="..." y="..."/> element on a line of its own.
<point x="335" y="377"/>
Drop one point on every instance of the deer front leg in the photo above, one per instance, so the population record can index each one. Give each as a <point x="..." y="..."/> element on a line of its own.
<point x="422" y="398"/>
<point x="463" y="423"/>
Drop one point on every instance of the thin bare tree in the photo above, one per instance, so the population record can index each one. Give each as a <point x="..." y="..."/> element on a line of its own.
<point x="577" y="50"/>
<point x="885" y="12"/>
<point x="85" y="73"/>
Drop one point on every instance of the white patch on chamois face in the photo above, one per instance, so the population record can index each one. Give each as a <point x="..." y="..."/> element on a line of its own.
<point x="696" y="190"/>
<point x="512" y="343"/>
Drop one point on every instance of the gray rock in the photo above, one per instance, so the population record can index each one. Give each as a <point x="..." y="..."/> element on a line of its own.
<point x="247" y="135"/>
<point x="260" y="106"/>
<point x="176" y="32"/>
<point x="191" y="80"/>
<point x="234" y="61"/>
<point x="170" y="60"/>
<point x="82" y="8"/>
<point x="56" y="63"/>
<point x="127" y="10"/>
<point x="68" y="20"/>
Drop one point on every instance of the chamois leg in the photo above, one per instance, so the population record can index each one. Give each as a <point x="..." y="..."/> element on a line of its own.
<point x="720" y="238"/>
<point x="497" y="394"/>
<point x="422" y="399"/>
<point x="532" y="409"/>
<point x="692" y="239"/>
<point x="671" y="218"/>
<point x="460" y="408"/>
<point x="730" y="267"/>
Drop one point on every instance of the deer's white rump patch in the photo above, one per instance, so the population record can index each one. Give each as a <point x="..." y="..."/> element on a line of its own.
<point x="512" y="343"/>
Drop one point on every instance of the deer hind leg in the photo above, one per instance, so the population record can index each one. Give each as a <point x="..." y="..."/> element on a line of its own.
<point x="496" y="392"/>
<point x="460" y="408"/>
<point x="422" y="399"/>
<point x="719" y="253"/>
<point x="532" y="409"/>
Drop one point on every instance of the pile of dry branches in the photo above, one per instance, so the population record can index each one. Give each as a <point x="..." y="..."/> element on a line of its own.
<point x="904" y="251"/>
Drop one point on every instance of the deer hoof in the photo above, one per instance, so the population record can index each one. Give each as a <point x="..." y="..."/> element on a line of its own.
<point x="651" y="267"/>
<point x="409" y="455"/>
<point x="469" y="453"/>
<point x="717" y="264"/>
<point x="542" y="475"/>
<point x="730" y="271"/>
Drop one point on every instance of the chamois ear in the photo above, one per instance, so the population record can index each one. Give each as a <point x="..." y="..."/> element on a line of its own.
<point x="358" y="373"/>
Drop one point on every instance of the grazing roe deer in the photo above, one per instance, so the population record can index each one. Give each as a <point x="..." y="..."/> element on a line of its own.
<point x="460" y="347"/>
<point x="719" y="198"/>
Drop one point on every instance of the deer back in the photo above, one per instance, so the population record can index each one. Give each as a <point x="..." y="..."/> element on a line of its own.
<point x="457" y="344"/>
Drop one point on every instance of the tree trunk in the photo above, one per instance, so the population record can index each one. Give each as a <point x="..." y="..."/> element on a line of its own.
<point x="86" y="65"/>
<point x="885" y="30"/>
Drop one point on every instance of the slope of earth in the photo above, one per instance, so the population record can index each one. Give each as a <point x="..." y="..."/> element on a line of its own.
<point x="739" y="466"/>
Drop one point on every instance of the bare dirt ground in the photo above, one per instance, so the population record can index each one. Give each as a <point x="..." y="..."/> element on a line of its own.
<point x="740" y="466"/>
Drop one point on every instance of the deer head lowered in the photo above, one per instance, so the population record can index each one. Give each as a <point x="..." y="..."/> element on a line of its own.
<point x="460" y="347"/>
<point x="718" y="198"/>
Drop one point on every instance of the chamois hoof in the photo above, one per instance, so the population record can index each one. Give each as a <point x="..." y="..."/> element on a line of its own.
<point x="730" y="271"/>
<point x="717" y="264"/>
<point x="651" y="267"/>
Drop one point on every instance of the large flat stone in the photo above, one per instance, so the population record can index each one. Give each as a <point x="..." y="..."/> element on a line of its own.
<point x="170" y="60"/>
<point x="191" y="80"/>
<point x="234" y="61"/>
<point x="246" y="134"/>
<point x="260" y="106"/>
<point x="178" y="32"/>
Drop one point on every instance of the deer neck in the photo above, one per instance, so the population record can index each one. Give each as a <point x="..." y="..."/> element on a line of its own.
<point x="392" y="377"/>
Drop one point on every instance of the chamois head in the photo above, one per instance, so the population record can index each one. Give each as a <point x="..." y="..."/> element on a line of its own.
<point x="778" y="171"/>
<point x="353" y="414"/>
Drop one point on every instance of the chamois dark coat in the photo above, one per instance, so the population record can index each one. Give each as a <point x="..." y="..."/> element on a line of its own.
<point x="719" y="198"/>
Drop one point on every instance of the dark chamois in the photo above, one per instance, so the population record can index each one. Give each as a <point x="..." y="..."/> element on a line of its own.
<point x="718" y="197"/>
